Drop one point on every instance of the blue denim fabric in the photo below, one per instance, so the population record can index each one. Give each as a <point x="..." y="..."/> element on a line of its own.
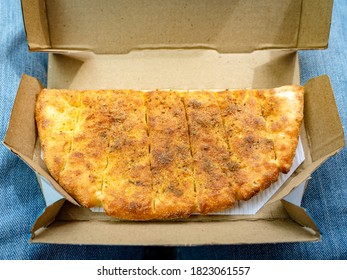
<point x="21" y="200"/>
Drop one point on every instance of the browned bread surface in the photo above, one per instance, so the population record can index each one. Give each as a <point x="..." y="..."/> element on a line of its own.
<point x="210" y="152"/>
<point x="167" y="154"/>
<point x="171" y="159"/>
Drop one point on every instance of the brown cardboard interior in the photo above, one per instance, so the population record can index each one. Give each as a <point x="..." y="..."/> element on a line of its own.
<point x="59" y="222"/>
<point x="223" y="25"/>
<point x="273" y="225"/>
<point x="173" y="69"/>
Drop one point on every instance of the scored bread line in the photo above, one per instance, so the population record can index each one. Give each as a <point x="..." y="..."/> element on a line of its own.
<point x="144" y="103"/>
<point x="191" y="152"/>
<point x="226" y="139"/>
<point x="147" y="128"/>
<point x="103" y="180"/>
<point x="78" y="108"/>
<point x="268" y="129"/>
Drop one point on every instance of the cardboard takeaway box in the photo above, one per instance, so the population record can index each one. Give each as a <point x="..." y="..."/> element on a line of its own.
<point x="183" y="44"/>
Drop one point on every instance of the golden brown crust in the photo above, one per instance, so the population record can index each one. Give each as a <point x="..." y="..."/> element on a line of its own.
<point x="167" y="154"/>
<point x="171" y="161"/>
<point x="82" y="174"/>
<point x="55" y="115"/>
<point x="127" y="191"/>
<point x="253" y="162"/>
<point x="210" y="152"/>
<point x="283" y="110"/>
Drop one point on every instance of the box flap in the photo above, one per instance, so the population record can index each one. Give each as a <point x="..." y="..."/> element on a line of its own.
<point x="315" y="24"/>
<point x="36" y="24"/>
<point x="325" y="136"/>
<point x="227" y="26"/>
<point x="174" y="233"/>
<point x="300" y="216"/>
<point x="272" y="225"/>
<point x="281" y="221"/>
<point x="21" y="136"/>
<point x="47" y="216"/>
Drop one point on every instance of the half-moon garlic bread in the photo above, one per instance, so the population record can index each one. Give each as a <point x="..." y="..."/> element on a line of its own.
<point x="166" y="154"/>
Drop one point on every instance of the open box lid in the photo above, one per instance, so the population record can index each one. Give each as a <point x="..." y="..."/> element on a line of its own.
<point x="224" y="25"/>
